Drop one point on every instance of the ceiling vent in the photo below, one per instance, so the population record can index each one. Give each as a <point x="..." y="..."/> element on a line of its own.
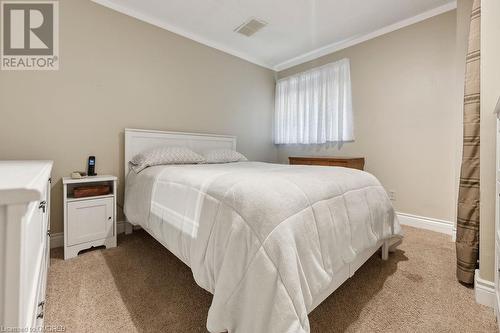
<point x="250" y="27"/>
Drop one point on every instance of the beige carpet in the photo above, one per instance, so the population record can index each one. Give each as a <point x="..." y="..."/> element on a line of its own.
<point x="141" y="287"/>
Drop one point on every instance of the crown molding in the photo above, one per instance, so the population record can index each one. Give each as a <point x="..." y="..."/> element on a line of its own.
<point x="176" y="30"/>
<point x="335" y="47"/>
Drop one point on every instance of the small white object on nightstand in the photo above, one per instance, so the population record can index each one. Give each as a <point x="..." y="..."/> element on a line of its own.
<point x="88" y="221"/>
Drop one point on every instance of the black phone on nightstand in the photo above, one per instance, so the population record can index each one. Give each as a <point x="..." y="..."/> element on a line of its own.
<point x="91" y="166"/>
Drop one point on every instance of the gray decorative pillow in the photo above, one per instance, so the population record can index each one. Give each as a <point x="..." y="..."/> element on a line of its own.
<point x="223" y="156"/>
<point x="164" y="156"/>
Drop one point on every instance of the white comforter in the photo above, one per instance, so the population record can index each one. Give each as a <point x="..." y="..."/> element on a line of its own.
<point x="265" y="239"/>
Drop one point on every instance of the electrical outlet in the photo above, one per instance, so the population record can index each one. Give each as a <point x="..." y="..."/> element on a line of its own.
<point x="392" y="195"/>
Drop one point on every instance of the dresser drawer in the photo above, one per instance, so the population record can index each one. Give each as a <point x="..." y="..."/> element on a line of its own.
<point x="300" y="162"/>
<point x="33" y="258"/>
<point x="38" y="314"/>
<point x="346" y="162"/>
<point x="323" y="163"/>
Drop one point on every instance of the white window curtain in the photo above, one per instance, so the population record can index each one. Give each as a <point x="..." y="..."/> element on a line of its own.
<point x="315" y="106"/>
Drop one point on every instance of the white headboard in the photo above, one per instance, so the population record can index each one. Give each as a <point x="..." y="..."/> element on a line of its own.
<point x="138" y="140"/>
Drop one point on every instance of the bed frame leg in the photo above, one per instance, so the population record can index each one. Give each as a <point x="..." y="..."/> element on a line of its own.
<point x="128" y="228"/>
<point x="394" y="243"/>
<point x="385" y="250"/>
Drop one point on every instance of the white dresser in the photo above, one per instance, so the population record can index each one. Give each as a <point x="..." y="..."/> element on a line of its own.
<point x="24" y="242"/>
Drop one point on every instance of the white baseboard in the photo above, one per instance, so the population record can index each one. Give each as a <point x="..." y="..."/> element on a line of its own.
<point x="57" y="239"/>
<point x="442" y="226"/>
<point x="428" y="223"/>
<point x="484" y="291"/>
<point x="445" y="227"/>
<point x="120" y="227"/>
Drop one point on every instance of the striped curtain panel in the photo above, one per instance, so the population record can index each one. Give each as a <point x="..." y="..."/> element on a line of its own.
<point x="467" y="243"/>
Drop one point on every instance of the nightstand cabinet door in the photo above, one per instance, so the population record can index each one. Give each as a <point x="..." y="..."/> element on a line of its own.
<point x="89" y="220"/>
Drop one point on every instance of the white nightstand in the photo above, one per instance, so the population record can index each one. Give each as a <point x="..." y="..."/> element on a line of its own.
<point x="89" y="221"/>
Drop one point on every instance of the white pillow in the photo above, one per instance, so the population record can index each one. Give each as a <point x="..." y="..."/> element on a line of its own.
<point x="223" y="156"/>
<point x="164" y="156"/>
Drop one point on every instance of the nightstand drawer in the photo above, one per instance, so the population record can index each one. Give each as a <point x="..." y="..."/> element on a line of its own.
<point x="89" y="220"/>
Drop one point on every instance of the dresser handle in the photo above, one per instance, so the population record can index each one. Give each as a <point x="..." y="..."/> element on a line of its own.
<point x="40" y="315"/>
<point x="43" y="205"/>
<point x="48" y="233"/>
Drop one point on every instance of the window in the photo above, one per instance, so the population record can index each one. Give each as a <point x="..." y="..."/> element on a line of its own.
<point x="315" y="106"/>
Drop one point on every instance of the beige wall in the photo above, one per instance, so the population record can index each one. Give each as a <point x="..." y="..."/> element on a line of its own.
<point x="406" y="117"/>
<point x="490" y="92"/>
<point x="118" y="72"/>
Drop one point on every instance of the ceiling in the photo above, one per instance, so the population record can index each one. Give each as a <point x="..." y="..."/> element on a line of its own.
<point x="297" y="30"/>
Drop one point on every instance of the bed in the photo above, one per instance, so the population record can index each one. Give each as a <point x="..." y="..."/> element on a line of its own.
<point x="269" y="241"/>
